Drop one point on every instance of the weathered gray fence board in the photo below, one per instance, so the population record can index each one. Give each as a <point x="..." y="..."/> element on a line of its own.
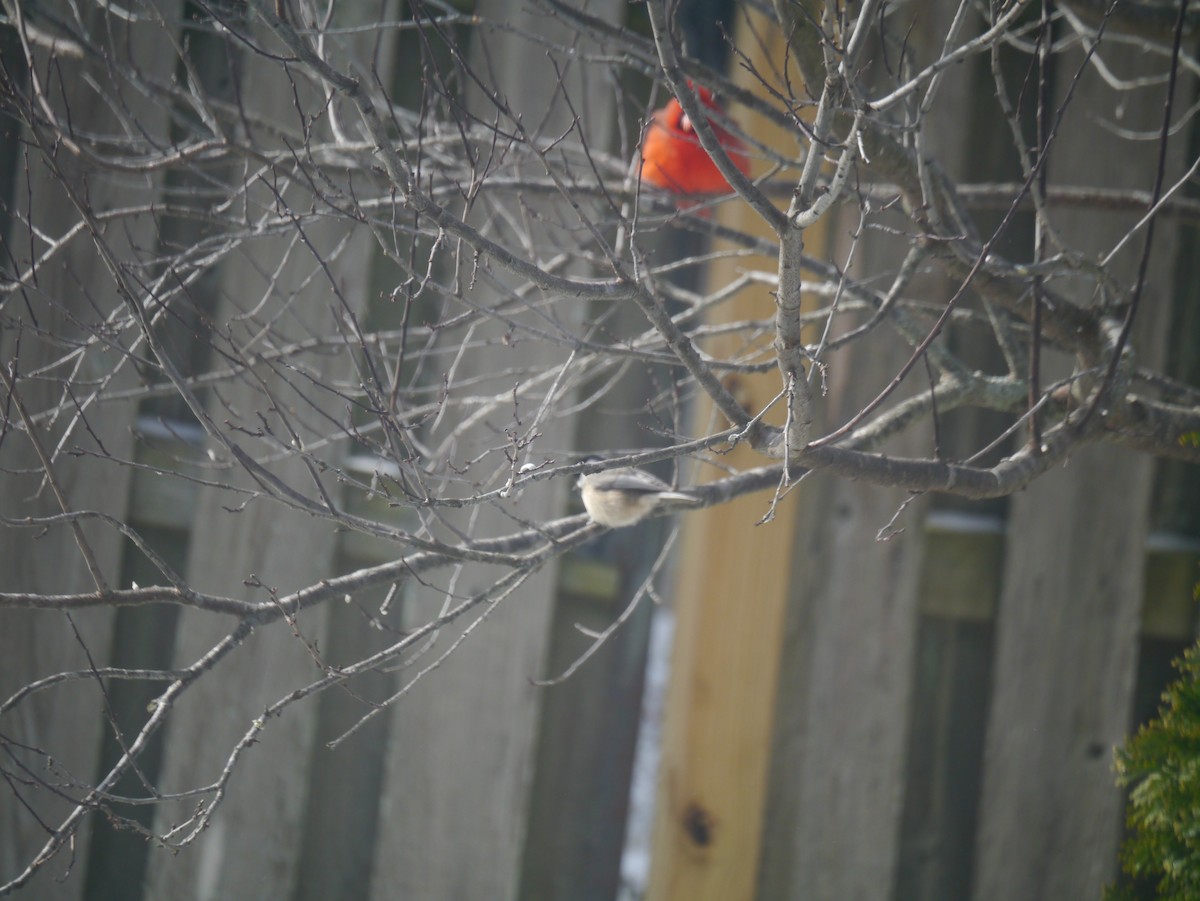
<point x="1068" y="621"/>
<point x="252" y="847"/>
<point x="844" y="698"/>
<point x="845" y="701"/>
<point x="71" y="288"/>
<point x="461" y="752"/>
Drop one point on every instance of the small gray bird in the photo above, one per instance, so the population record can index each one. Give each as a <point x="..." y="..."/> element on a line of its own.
<point x="622" y="497"/>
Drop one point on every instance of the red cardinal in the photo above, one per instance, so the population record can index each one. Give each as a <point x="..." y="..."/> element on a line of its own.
<point x="672" y="158"/>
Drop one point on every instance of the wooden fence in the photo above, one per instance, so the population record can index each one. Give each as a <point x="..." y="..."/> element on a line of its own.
<point x="930" y="716"/>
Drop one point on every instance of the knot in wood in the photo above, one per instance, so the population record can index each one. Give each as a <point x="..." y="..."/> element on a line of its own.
<point x="698" y="824"/>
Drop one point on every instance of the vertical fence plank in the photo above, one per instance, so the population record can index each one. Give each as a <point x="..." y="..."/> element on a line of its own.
<point x="1068" y="620"/>
<point x="846" y="701"/>
<point x="252" y="846"/>
<point x="842" y="716"/>
<point x="712" y="776"/>
<point x="71" y="289"/>
<point x="463" y="742"/>
<point x="1065" y="657"/>
<point x="729" y="600"/>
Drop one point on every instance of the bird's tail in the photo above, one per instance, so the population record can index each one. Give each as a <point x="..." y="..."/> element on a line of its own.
<point x="679" y="497"/>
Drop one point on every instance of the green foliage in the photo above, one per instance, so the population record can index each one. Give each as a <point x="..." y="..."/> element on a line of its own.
<point x="1162" y="764"/>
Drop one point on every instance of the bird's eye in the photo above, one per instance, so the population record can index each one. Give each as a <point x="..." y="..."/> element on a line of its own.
<point x="685" y="124"/>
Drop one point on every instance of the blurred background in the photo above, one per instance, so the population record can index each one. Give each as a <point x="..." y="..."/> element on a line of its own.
<point x="847" y="692"/>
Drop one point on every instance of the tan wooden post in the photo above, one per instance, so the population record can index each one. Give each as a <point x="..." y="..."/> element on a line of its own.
<point x="730" y="602"/>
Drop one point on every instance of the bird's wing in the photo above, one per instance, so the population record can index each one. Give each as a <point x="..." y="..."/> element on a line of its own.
<point x="635" y="481"/>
